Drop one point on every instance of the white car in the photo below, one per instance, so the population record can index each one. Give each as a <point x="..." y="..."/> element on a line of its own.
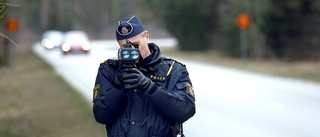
<point x="52" y="39"/>
<point x="76" y="42"/>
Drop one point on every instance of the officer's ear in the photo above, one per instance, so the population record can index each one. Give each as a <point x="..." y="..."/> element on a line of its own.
<point x="145" y="34"/>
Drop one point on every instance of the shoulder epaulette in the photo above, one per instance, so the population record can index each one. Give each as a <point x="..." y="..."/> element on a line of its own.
<point x="180" y="63"/>
<point x="170" y="59"/>
<point x="103" y="62"/>
<point x="111" y="61"/>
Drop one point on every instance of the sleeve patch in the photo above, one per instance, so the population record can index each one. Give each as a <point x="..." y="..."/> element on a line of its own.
<point x="96" y="92"/>
<point x="190" y="89"/>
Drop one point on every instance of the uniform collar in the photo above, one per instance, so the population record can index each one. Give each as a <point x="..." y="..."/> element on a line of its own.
<point x="150" y="63"/>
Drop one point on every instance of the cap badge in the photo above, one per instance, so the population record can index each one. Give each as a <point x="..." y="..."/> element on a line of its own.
<point x="124" y="31"/>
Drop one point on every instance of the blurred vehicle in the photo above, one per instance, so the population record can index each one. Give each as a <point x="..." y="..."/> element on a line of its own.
<point x="76" y="42"/>
<point x="52" y="39"/>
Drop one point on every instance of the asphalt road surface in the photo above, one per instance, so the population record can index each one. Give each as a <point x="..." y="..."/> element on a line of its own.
<point x="229" y="102"/>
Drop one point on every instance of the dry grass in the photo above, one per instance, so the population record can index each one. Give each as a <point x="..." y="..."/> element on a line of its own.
<point x="301" y="70"/>
<point x="35" y="102"/>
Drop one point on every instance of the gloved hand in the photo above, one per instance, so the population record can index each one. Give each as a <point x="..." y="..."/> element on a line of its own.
<point x="117" y="81"/>
<point x="132" y="78"/>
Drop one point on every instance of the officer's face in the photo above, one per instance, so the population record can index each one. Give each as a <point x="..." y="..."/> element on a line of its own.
<point x="142" y="39"/>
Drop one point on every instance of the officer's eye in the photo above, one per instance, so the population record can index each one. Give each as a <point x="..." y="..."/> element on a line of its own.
<point x="136" y="44"/>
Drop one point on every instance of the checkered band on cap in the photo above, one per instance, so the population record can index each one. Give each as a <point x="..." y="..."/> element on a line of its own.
<point x="129" y="27"/>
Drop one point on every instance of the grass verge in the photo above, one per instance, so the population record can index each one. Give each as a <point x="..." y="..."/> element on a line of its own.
<point x="35" y="102"/>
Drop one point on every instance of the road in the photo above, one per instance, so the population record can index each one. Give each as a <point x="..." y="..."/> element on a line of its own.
<point x="229" y="102"/>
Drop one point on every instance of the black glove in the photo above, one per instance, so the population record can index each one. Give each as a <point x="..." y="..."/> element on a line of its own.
<point x="117" y="82"/>
<point x="132" y="78"/>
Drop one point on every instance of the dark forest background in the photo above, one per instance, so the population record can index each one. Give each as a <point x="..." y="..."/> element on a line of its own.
<point x="285" y="30"/>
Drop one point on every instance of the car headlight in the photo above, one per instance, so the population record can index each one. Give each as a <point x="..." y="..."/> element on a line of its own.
<point x="65" y="47"/>
<point x="86" y="46"/>
<point x="48" y="43"/>
<point x="43" y="42"/>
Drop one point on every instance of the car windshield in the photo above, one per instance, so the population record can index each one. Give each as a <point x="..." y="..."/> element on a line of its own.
<point x="76" y="37"/>
<point x="53" y="35"/>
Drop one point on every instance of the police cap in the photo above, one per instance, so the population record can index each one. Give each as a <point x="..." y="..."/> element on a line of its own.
<point x="129" y="27"/>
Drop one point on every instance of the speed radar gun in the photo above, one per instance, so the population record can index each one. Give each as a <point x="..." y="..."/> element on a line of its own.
<point x="128" y="56"/>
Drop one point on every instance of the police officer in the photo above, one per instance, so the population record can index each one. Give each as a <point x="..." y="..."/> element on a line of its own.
<point x="148" y="100"/>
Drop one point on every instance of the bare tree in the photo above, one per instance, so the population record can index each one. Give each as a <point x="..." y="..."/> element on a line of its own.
<point x="44" y="11"/>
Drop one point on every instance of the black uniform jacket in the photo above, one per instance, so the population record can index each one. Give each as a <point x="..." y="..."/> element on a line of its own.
<point x="150" y="114"/>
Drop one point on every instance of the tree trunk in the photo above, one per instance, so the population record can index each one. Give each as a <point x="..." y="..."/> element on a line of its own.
<point x="44" y="14"/>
